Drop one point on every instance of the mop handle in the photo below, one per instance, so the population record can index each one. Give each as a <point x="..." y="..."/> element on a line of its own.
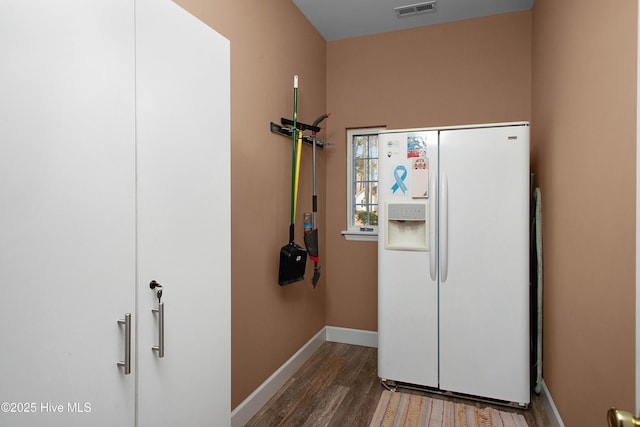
<point x="299" y="152"/>
<point x="293" y="153"/>
<point x="314" y="196"/>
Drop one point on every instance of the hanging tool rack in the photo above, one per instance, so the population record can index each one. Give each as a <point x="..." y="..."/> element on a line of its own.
<point x="286" y="129"/>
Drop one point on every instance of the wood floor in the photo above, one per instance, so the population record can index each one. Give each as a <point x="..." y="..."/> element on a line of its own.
<point x="339" y="386"/>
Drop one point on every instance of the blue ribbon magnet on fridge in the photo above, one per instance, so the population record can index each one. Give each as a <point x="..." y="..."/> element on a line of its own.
<point x="399" y="174"/>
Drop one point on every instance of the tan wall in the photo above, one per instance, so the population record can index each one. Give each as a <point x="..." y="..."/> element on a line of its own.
<point x="270" y="42"/>
<point x="474" y="71"/>
<point x="583" y="151"/>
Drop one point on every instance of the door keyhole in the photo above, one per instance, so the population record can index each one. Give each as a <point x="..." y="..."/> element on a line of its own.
<point x="153" y="284"/>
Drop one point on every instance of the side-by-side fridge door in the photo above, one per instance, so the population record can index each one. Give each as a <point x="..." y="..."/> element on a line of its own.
<point x="407" y="258"/>
<point x="484" y="285"/>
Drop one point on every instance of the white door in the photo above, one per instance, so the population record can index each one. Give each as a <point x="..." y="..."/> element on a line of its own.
<point x="183" y="140"/>
<point x="67" y="216"/>
<point x="407" y="279"/>
<point x="484" y="290"/>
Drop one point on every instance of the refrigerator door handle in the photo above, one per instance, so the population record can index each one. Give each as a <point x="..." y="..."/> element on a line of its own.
<point x="432" y="230"/>
<point x="444" y="229"/>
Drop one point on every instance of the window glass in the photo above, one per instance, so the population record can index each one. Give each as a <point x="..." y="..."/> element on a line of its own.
<point x="363" y="179"/>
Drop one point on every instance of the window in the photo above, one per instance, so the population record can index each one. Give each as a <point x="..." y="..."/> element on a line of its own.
<point x="362" y="184"/>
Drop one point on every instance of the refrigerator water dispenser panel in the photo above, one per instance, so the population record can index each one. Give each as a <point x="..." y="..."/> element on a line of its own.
<point x="407" y="226"/>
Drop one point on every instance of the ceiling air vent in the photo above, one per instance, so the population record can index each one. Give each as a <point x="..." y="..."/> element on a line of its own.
<point x="415" y="9"/>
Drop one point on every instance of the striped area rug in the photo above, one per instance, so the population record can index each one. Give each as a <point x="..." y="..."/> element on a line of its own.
<point x="396" y="409"/>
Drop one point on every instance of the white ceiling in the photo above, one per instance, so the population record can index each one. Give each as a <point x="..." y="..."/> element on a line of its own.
<point x="341" y="19"/>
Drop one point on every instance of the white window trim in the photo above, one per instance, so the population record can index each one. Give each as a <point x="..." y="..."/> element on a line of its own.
<point x="353" y="232"/>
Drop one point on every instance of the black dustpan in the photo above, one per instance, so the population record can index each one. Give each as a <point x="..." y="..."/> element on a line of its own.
<point x="293" y="260"/>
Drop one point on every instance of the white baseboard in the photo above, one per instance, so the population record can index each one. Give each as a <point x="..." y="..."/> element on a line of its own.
<point x="352" y="336"/>
<point x="256" y="400"/>
<point x="550" y="407"/>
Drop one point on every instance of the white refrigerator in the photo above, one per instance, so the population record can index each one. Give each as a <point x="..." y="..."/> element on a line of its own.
<point x="453" y="260"/>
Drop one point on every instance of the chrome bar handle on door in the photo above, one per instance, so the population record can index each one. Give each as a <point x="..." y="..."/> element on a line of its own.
<point x="160" y="347"/>
<point x="444" y="229"/>
<point x="126" y="363"/>
<point x="432" y="229"/>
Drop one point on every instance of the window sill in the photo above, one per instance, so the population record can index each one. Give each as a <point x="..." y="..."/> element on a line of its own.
<point x="360" y="236"/>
